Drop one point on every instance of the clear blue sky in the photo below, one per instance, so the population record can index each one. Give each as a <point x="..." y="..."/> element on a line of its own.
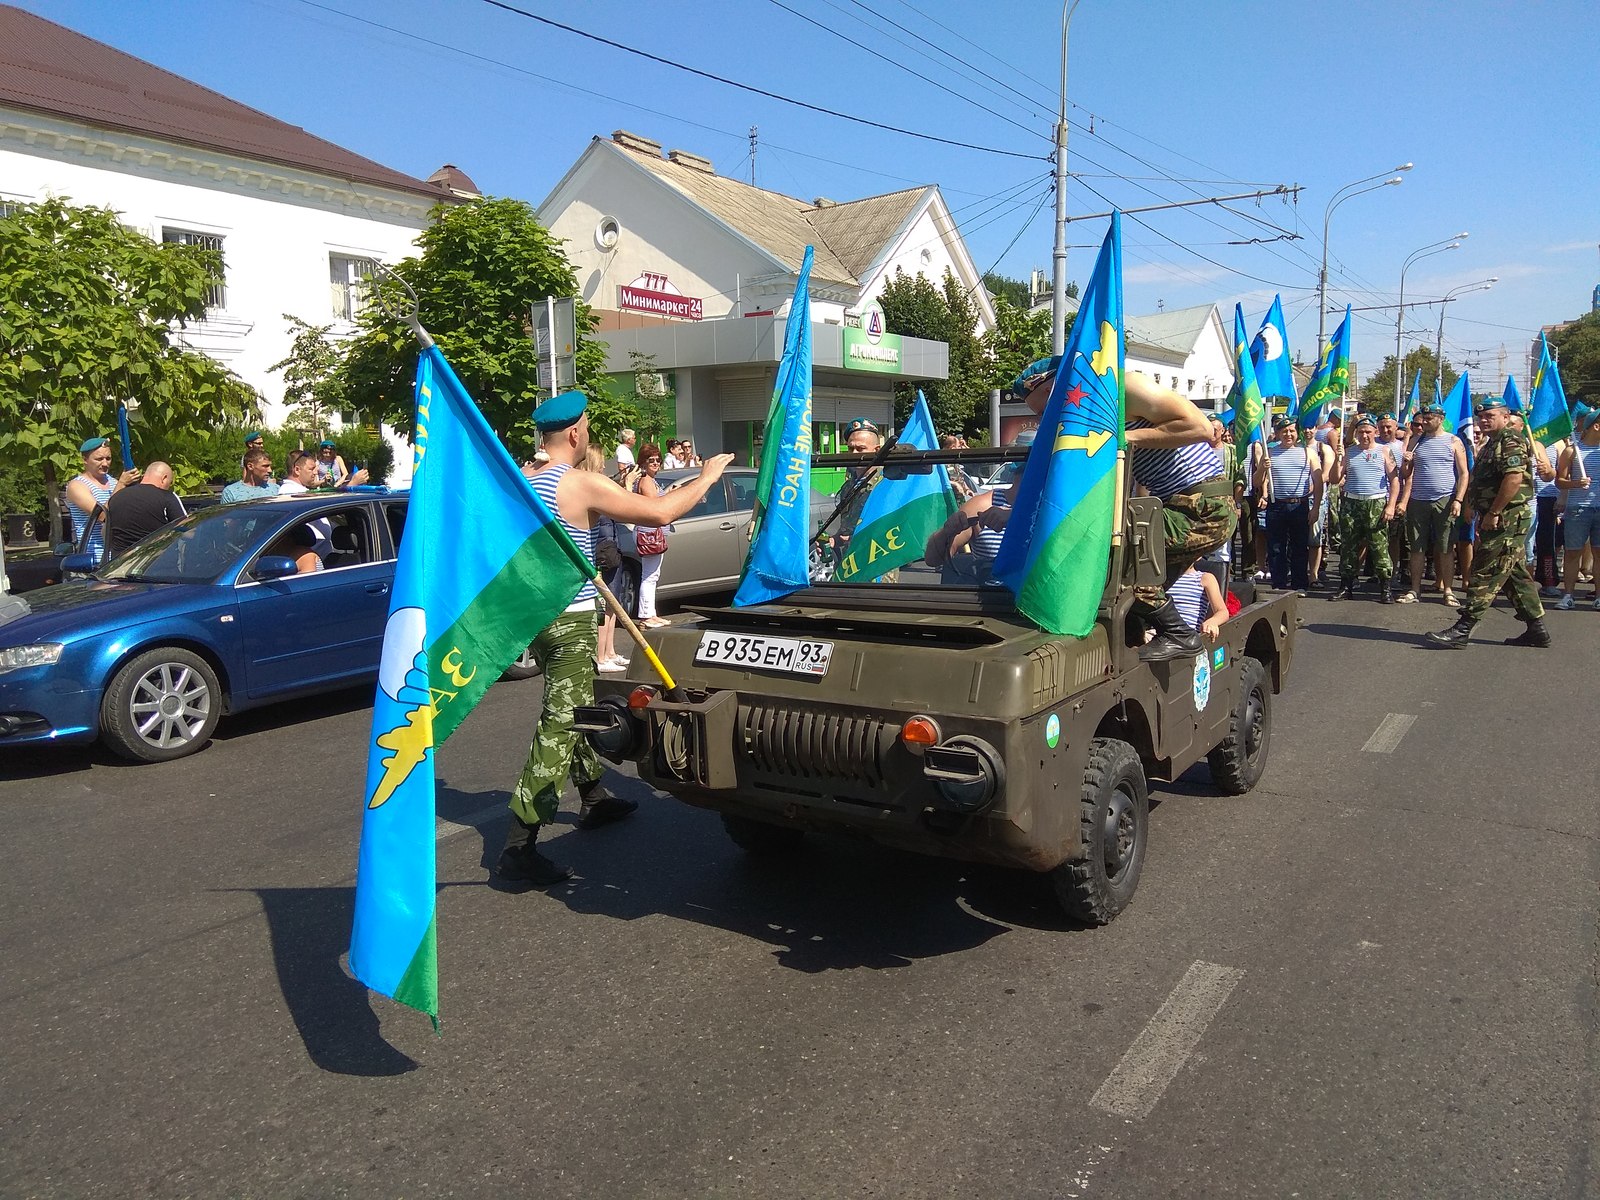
<point x="1495" y="103"/>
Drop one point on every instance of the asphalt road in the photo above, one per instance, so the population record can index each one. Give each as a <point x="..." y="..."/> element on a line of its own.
<point x="1373" y="976"/>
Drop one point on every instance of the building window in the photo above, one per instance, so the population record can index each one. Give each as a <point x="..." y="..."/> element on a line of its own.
<point x="8" y="207"/>
<point x="348" y="277"/>
<point x="217" y="297"/>
<point x="1191" y="387"/>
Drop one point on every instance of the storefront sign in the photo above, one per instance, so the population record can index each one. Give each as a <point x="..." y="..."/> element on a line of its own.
<point x="869" y="348"/>
<point x="655" y="294"/>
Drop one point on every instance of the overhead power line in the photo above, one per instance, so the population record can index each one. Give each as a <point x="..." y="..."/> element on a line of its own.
<point x="747" y="87"/>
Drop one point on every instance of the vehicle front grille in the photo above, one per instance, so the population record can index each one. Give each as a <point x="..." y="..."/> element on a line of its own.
<point x="814" y="744"/>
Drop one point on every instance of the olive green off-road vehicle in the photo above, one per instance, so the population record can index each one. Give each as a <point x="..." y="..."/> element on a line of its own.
<point x="933" y="716"/>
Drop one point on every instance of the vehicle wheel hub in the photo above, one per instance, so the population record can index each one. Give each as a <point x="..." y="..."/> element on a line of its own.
<point x="1119" y="833"/>
<point x="169" y="705"/>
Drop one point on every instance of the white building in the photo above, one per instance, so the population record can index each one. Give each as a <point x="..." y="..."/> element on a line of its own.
<point x="294" y="216"/>
<point x="698" y="270"/>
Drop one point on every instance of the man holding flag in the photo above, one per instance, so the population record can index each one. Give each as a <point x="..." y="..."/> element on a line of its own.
<point x="565" y="649"/>
<point x="1082" y="396"/>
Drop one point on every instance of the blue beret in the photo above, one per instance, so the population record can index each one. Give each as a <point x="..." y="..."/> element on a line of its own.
<point x="560" y="411"/>
<point x="1491" y="402"/>
<point x="1366" y="419"/>
<point x="325" y="445"/>
<point x="252" y="436"/>
<point x="1430" y="406"/>
<point x="92" y="445"/>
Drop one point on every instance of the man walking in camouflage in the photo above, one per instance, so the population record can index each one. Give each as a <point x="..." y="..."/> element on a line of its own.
<point x="1499" y="491"/>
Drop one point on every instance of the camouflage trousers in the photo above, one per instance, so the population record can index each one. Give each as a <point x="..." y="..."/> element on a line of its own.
<point x="1195" y="525"/>
<point x="1501" y="560"/>
<point x="1361" y="526"/>
<point x="565" y="652"/>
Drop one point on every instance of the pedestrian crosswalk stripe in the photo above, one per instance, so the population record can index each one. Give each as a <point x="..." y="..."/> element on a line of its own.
<point x="1390" y="730"/>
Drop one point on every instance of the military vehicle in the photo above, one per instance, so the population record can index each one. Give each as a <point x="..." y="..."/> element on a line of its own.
<point x="933" y="716"/>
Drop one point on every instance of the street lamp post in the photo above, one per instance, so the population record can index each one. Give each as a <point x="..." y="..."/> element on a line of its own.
<point x="1483" y="285"/>
<point x="1058" y="290"/>
<point x="1422" y="252"/>
<point x="1339" y="198"/>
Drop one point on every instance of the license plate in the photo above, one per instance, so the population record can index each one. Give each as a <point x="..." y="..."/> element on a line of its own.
<point x="791" y="656"/>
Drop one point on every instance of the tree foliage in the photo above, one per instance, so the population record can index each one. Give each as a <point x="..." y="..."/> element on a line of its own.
<point x="482" y="266"/>
<point x="914" y="307"/>
<point x="309" y="371"/>
<point x="1017" y="339"/>
<point x="1577" y="350"/>
<point x="1016" y="292"/>
<point x="89" y="314"/>
<point x="1377" y="394"/>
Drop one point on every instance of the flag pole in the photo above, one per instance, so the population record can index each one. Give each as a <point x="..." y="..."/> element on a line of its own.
<point x="1120" y="515"/>
<point x="410" y="316"/>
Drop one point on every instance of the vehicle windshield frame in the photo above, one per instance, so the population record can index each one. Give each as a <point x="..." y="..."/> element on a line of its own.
<point x="214" y="523"/>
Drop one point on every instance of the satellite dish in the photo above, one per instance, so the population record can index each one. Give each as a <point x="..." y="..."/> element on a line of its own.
<point x="607" y="233"/>
<point x="1271" y="340"/>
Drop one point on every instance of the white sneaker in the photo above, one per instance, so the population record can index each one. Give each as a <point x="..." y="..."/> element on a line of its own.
<point x="1566" y="602"/>
<point x="612" y="665"/>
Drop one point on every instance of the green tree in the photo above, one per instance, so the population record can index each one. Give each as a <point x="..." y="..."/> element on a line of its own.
<point x="654" y="402"/>
<point x="1377" y="393"/>
<point x="914" y="307"/>
<point x="309" y="373"/>
<point x="87" y="315"/>
<point x="1577" y="351"/>
<point x="1017" y="339"/>
<point x="1016" y="292"/>
<point x="482" y="265"/>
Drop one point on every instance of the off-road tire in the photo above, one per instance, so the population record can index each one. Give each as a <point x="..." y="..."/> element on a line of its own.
<point x="761" y="840"/>
<point x="525" y="666"/>
<point x="170" y="678"/>
<point x="1099" y="886"/>
<point x="1239" y="760"/>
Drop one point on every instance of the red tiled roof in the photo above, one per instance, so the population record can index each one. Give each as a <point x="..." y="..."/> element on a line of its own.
<point x="47" y="68"/>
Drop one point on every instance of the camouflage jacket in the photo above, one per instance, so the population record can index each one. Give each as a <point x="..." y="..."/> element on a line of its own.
<point x="1504" y="453"/>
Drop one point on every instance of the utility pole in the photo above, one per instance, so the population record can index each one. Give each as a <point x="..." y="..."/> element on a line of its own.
<point x="1058" y="257"/>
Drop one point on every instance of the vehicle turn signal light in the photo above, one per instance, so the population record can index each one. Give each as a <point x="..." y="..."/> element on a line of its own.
<point x="920" y="731"/>
<point x="640" y="697"/>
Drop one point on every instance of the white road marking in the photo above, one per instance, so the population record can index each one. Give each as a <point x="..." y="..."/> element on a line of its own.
<point x="1389" y="732"/>
<point x="444" y="827"/>
<point x="1165" y="1044"/>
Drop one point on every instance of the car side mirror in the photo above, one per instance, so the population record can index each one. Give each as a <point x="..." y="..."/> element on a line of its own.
<point x="80" y="564"/>
<point x="274" y="566"/>
<point x="61" y="548"/>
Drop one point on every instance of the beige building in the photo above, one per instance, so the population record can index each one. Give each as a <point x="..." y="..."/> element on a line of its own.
<point x="698" y="270"/>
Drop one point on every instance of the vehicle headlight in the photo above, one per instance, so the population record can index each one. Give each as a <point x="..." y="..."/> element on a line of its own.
<point x="14" y="658"/>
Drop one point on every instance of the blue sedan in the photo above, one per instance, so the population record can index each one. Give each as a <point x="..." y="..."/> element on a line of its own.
<point x="228" y="609"/>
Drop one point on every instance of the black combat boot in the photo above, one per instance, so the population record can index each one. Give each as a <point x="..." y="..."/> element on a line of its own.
<point x="600" y="807"/>
<point x="1385" y="592"/>
<point x="1174" y="638"/>
<point x="1535" y="635"/>
<point x="521" y="863"/>
<point x="1454" y="638"/>
<point x="1346" y="590"/>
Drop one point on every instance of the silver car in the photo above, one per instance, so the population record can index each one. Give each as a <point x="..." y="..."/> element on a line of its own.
<point x="706" y="547"/>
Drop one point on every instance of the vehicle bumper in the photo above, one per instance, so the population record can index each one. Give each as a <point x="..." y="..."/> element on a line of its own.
<point x="36" y="709"/>
<point x="840" y="769"/>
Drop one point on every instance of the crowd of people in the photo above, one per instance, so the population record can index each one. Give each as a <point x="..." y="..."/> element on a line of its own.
<point x="1410" y="506"/>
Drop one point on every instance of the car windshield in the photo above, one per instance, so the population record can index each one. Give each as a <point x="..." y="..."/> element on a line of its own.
<point x="196" y="549"/>
<point x="922" y="527"/>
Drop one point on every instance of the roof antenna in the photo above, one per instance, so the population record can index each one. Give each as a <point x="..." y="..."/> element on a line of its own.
<point x="752" y="156"/>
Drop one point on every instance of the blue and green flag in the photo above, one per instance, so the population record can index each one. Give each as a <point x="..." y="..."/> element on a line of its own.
<point x="1249" y="407"/>
<point x="1414" y="400"/>
<point x="1331" y="379"/>
<point x="1458" y="410"/>
<point x="1513" y="398"/>
<point x="1269" y="355"/>
<point x="1057" y="544"/>
<point x="1549" y="418"/>
<point x="901" y="513"/>
<point x="463" y="608"/>
<point x="779" y="560"/>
